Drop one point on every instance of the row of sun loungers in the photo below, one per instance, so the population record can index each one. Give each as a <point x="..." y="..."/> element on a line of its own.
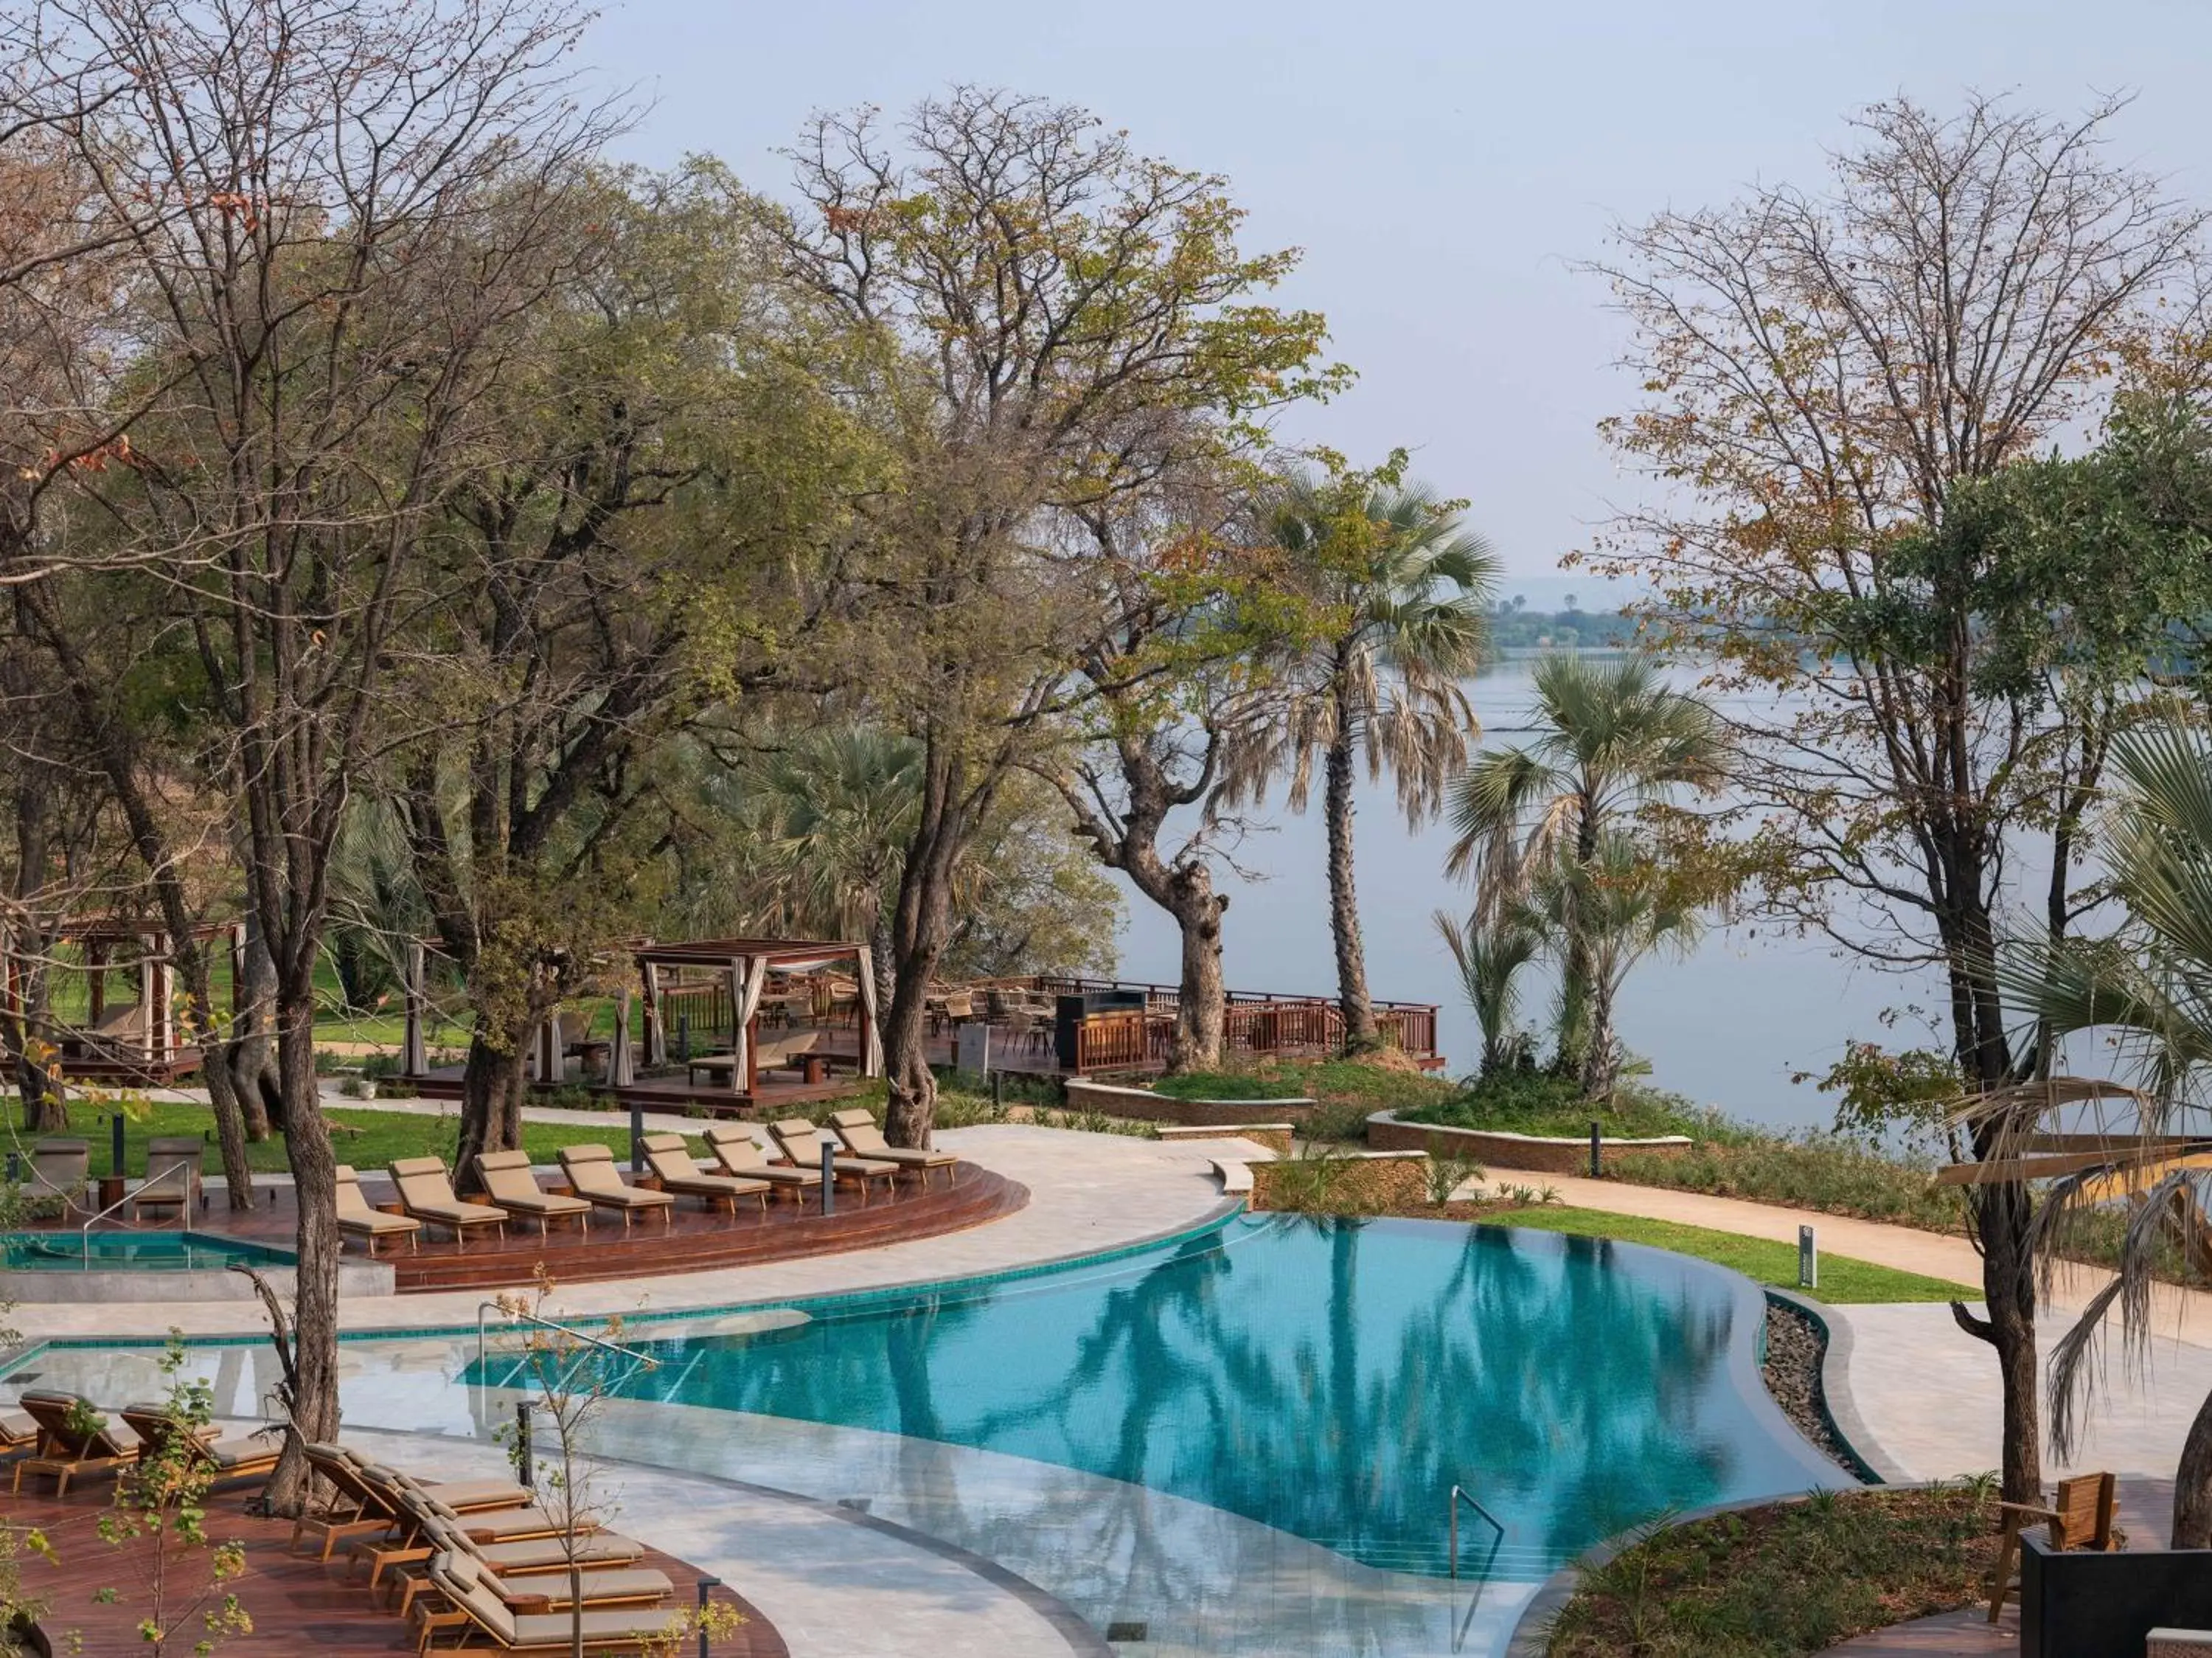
<point x="61" y="1436"/>
<point x="742" y="1173"/>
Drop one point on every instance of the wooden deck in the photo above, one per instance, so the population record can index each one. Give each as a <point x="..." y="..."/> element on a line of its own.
<point x="298" y="1604"/>
<point x="694" y="1240"/>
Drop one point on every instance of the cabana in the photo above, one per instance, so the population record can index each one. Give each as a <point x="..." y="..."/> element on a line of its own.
<point x="726" y="1010"/>
<point x="104" y="1037"/>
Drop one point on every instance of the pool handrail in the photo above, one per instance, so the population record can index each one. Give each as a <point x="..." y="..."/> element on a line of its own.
<point x="84" y="1232"/>
<point x="1461" y="1494"/>
<point x="516" y="1315"/>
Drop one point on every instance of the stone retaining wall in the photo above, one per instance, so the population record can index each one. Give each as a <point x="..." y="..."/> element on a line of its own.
<point x="1372" y="1179"/>
<point x="1144" y="1105"/>
<point x="1494" y="1150"/>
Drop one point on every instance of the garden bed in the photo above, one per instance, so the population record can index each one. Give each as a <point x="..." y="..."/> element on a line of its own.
<point x="1786" y="1579"/>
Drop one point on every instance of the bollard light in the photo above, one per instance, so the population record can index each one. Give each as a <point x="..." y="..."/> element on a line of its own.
<point x="115" y="1145"/>
<point x="1809" y="1260"/>
<point x="1597" y="1163"/>
<point x="636" y="1137"/>
<point x="830" y="1179"/>
<point x="707" y="1587"/>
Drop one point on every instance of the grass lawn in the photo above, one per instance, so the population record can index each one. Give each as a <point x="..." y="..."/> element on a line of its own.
<point x="1843" y="1280"/>
<point x="1787" y="1579"/>
<point x="367" y="1138"/>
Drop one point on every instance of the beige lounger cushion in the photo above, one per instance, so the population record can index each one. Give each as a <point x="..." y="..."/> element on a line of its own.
<point x="736" y="1150"/>
<point x="801" y="1142"/>
<point x="509" y="1183"/>
<point x="591" y="1170"/>
<point x="668" y="1158"/>
<point x="464" y="1582"/>
<point x="357" y="1215"/>
<point x="857" y="1129"/>
<point x="426" y="1191"/>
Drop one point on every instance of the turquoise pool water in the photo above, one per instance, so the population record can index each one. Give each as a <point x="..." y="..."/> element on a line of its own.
<point x="1333" y="1380"/>
<point x="129" y="1252"/>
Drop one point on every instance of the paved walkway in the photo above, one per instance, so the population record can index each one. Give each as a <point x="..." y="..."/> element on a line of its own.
<point x="1966" y="1633"/>
<point x="1089" y="1192"/>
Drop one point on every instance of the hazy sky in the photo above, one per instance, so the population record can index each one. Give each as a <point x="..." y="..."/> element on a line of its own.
<point x="1443" y="167"/>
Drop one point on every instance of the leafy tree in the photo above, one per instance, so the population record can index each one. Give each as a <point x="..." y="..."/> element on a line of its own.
<point x="1822" y="371"/>
<point x="1044" y="320"/>
<point x="1616" y="741"/>
<point x="1399" y="590"/>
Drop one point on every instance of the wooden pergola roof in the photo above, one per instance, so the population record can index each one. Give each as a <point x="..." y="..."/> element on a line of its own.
<point x="776" y="952"/>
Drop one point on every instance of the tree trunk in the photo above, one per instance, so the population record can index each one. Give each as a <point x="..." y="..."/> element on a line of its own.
<point x="197" y="980"/>
<point x="45" y="1104"/>
<point x="1201" y="1008"/>
<point x="1358" y="1011"/>
<point x="2192" y="1485"/>
<point x="920" y="924"/>
<point x="880" y="959"/>
<point x="1600" y="1054"/>
<point x="2009" y="1288"/>
<point x="492" y="1089"/>
<point x="315" y="1303"/>
<point x="254" y="1077"/>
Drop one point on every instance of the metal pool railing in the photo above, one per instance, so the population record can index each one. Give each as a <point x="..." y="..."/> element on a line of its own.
<point x="1460" y="1495"/>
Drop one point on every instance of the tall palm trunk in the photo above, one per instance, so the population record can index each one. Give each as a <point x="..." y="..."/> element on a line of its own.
<point x="1351" y="998"/>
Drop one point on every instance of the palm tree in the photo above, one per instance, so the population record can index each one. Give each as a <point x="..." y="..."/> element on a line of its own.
<point x="1398" y="591"/>
<point x="2151" y="986"/>
<point x="1614" y="740"/>
<point x="1490" y="958"/>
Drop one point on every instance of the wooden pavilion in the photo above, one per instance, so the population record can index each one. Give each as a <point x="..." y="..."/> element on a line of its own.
<point x="111" y="1039"/>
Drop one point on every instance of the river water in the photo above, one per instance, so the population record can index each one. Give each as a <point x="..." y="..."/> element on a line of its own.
<point x="1728" y="1024"/>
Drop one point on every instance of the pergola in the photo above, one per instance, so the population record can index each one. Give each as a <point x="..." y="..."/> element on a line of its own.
<point x="129" y="1037"/>
<point x="744" y="965"/>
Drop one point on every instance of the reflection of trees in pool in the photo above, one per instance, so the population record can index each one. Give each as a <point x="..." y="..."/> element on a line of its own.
<point x="1334" y="1381"/>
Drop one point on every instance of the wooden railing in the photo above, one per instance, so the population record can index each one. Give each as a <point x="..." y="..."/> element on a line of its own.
<point x="1113" y="1041"/>
<point x="1261" y="1022"/>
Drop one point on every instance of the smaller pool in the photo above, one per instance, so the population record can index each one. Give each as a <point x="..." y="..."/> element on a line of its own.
<point x="130" y="1252"/>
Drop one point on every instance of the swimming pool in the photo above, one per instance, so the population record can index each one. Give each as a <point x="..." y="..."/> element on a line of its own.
<point x="130" y="1252"/>
<point x="1332" y="1380"/>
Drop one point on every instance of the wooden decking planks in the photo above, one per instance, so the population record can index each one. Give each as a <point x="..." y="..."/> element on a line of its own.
<point x="694" y="1240"/>
<point x="298" y="1604"/>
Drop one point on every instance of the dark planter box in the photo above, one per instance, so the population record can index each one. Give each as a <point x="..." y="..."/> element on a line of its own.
<point x="2087" y="1605"/>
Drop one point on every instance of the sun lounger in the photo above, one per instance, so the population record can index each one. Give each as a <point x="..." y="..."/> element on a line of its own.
<point x="801" y="1143"/>
<point x="667" y="1157"/>
<point x="75" y="1438"/>
<point x="243" y="1457"/>
<point x="857" y="1129"/>
<point x="18" y="1432"/>
<point x="739" y="1153"/>
<point x="473" y="1605"/>
<point x="369" y="1499"/>
<point x="592" y="1176"/>
<point x="60" y="1167"/>
<point x="172" y="1175"/>
<point x="509" y="1183"/>
<point x="426" y="1191"/>
<point x="358" y="1220"/>
<point x="541" y="1582"/>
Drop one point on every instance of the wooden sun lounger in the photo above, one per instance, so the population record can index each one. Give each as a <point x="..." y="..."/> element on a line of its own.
<point x="426" y="1191"/>
<point x="61" y="1167"/>
<point x="471" y="1604"/>
<point x="666" y="1155"/>
<point x="91" y="1444"/>
<point x="800" y="1142"/>
<point x="540" y="1581"/>
<point x="509" y="1183"/>
<point x="739" y="1153"/>
<point x="357" y="1219"/>
<point x="857" y="1129"/>
<point x="246" y="1457"/>
<point x="592" y="1176"/>
<point x="369" y="1499"/>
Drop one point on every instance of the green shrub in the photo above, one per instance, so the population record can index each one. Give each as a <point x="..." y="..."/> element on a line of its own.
<point x="379" y="1066"/>
<point x="1539" y="1102"/>
<point x="1227" y="1085"/>
<point x="1821" y="1172"/>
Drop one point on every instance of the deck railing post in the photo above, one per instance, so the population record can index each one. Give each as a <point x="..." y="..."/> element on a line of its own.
<point x="830" y="1179"/>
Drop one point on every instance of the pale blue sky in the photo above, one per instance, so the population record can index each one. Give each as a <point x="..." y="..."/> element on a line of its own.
<point x="1443" y="167"/>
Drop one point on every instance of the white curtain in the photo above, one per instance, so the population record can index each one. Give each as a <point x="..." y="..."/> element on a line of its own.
<point x="748" y="978"/>
<point x="621" y="1066"/>
<point x="871" y="1043"/>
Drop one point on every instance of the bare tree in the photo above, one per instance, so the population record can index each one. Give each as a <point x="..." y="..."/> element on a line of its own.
<point x="1823" y="371"/>
<point x="334" y="217"/>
